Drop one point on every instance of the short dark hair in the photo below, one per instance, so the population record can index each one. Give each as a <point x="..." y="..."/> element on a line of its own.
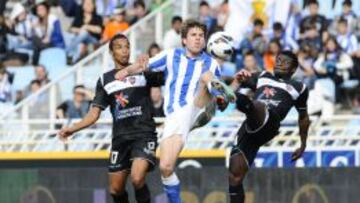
<point x="116" y="37"/>
<point x="249" y="53"/>
<point x="313" y="2"/>
<point x="78" y="86"/>
<point x="204" y="3"/>
<point x="347" y="3"/>
<point x="343" y="21"/>
<point x="278" y="26"/>
<point x="45" y="3"/>
<point x="153" y="46"/>
<point x="37" y="82"/>
<point x="258" y="21"/>
<point x="191" y="24"/>
<point x="294" y="59"/>
<point x="139" y="3"/>
<point x="275" y="41"/>
<point x="176" y="19"/>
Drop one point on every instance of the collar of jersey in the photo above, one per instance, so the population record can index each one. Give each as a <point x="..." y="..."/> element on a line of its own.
<point x="199" y="57"/>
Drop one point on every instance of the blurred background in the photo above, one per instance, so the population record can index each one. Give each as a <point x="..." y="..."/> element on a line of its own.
<point x="53" y="51"/>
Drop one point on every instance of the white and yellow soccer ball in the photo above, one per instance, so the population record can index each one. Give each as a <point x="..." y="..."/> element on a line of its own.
<point x="220" y="45"/>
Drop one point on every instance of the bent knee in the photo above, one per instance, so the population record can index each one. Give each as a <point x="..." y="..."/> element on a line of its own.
<point x="137" y="181"/>
<point x="116" y="189"/>
<point x="236" y="178"/>
<point x="166" y="168"/>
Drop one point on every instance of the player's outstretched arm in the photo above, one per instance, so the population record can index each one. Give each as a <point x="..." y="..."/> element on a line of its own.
<point x="91" y="117"/>
<point x="139" y="66"/>
<point x="304" y="124"/>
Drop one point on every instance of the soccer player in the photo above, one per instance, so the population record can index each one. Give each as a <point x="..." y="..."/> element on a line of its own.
<point x="134" y="140"/>
<point x="275" y="95"/>
<point x="191" y="81"/>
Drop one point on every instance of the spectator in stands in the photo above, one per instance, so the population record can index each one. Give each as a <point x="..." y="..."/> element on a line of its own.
<point x="158" y="101"/>
<point x="47" y="30"/>
<point x="172" y="37"/>
<point x="41" y="75"/>
<point x="274" y="49"/>
<point x="346" y="39"/>
<point x="5" y="85"/>
<point x="287" y="43"/>
<point x="293" y="25"/>
<point x="306" y="73"/>
<point x="116" y="24"/>
<point x="206" y="17"/>
<point x="311" y="37"/>
<point x="349" y="15"/>
<point x="333" y="63"/>
<point x="332" y="67"/>
<point x="78" y="106"/>
<point x="87" y="28"/>
<point x="223" y="14"/>
<point x="153" y="49"/>
<point x="255" y="41"/>
<point x="106" y="8"/>
<point x="21" y="23"/>
<point x="314" y="17"/>
<point x="39" y="106"/>
<point x="35" y="85"/>
<point x="250" y="63"/>
<point x="139" y="11"/>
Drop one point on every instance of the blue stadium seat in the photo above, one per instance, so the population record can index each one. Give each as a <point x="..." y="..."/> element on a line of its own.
<point x="54" y="59"/>
<point x="23" y="76"/>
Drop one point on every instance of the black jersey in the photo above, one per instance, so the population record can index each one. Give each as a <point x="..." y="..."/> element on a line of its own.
<point x="130" y="103"/>
<point x="279" y="95"/>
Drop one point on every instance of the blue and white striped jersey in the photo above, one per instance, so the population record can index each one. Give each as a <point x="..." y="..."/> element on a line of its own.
<point x="182" y="75"/>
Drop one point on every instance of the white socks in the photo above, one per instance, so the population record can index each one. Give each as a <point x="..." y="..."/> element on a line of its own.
<point x="171" y="180"/>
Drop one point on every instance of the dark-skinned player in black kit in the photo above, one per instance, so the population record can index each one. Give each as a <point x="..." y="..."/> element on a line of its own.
<point x="275" y="94"/>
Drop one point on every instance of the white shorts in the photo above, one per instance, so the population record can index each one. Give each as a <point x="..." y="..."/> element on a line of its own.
<point x="180" y="122"/>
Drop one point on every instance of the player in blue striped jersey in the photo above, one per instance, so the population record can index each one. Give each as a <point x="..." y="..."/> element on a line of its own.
<point x="191" y="81"/>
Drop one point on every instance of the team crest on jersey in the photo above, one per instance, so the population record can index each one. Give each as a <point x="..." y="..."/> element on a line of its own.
<point x="132" y="80"/>
<point x="269" y="92"/>
<point x="121" y="100"/>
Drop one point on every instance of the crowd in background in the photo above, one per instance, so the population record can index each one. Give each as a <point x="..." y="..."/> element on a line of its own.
<point x="327" y="49"/>
<point x="33" y="26"/>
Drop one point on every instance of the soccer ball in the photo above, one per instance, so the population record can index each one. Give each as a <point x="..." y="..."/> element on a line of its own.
<point x="220" y="45"/>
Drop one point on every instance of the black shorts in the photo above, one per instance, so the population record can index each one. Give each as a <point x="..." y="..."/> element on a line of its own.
<point x="123" y="152"/>
<point x="248" y="142"/>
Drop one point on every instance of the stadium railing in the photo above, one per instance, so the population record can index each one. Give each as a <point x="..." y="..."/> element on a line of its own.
<point x="34" y="135"/>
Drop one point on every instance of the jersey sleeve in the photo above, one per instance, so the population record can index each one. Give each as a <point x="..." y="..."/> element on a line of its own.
<point x="158" y="62"/>
<point x="154" y="79"/>
<point x="301" y="102"/>
<point x="101" y="97"/>
<point x="215" y="68"/>
<point x="252" y="82"/>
